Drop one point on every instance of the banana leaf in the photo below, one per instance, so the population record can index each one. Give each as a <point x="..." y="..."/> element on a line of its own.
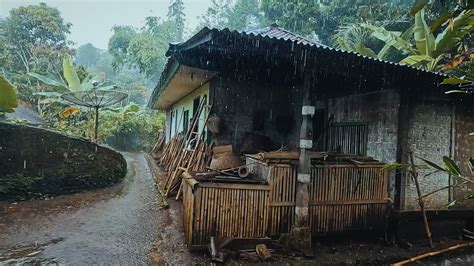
<point x="49" y="81"/>
<point x="418" y="61"/>
<point x="451" y="166"/>
<point x="342" y="44"/>
<point x="424" y="39"/>
<point x="388" y="47"/>
<point x="433" y="165"/>
<point x="417" y="6"/>
<point x="462" y="25"/>
<point x="392" y="39"/>
<point x="8" y="98"/>
<point x="454" y="81"/>
<point x="361" y="49"/>
<point x="70" y="74"/>
<point x="440" y="21"/>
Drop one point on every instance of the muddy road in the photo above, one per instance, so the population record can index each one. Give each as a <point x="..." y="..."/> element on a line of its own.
<point x="116" y="225"/>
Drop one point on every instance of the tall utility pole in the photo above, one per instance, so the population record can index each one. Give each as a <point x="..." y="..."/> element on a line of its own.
<point x="300" y="235"/>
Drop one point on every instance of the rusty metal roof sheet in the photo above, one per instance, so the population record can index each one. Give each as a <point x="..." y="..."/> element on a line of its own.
<point x="273" y="31"/>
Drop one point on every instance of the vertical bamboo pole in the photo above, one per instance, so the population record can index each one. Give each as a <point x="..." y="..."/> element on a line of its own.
<point x="421" y="202"/>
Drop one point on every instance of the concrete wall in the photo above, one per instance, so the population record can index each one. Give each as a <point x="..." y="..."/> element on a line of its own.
<point x="36" y="161"/>
<point x="429" y="137"/>
<point x="174" y="116"/>
<point x="380" y="111"/>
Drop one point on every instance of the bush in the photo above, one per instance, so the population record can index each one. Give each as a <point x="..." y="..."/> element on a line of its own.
<point x="127" y="129"/>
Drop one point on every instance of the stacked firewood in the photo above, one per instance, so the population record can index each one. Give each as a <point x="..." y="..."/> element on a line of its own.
<point x="170" y="151"/>
<point x="158" y="147"/>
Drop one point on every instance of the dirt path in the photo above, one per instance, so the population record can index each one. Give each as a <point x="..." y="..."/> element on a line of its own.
<point x="117" y="225"/>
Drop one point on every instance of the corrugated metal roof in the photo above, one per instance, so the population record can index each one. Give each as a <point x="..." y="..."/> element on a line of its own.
<point x="279" y="34"/>
<point x="273" y="31"/>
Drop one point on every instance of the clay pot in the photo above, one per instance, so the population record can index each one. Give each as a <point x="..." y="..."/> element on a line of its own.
<point x="225" y="160"/>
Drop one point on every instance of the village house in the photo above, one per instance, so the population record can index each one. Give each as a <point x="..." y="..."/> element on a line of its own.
<point x="257" y="83"/>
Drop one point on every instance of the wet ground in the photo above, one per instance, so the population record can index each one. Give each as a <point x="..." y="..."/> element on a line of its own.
<point x="126" y="225"/>
<point x="116" y="225"/>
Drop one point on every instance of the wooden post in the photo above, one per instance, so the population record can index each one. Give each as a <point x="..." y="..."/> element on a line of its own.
<point x="300" y="235"/>
<point x="96" y="130"/>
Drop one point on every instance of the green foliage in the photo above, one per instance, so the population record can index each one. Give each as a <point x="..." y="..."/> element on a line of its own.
<point x="87" y="55"/>
<point x="177" y="18"/>
<point x="427" y="52"/>
<point x="36" y="25"/>
<point x="8" y="99"/>
<point x="144" y="50"/>
<point x="322" y="18"/>
<point x="461" y="26"/>
<point x="424" y="39"/>
<point x="147" y="54"/>
<point x="137" y="128"/>
<point x="32" y="39"/>
<point x="238" y="15"/>
<point x="449" y="166"/>
<point x="70" y="74"/>
<point x="417" y="6"/>
<point x="354" y="37"/>
<point x="118" y="44"/>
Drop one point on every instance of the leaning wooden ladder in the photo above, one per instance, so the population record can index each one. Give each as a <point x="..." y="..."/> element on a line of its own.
<point x="185" y="158"/>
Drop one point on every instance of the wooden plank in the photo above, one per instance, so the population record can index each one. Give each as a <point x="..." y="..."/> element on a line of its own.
<point x="234" y="186"/>
<point x="348" y="202"/>
<point x="282" y="203"/>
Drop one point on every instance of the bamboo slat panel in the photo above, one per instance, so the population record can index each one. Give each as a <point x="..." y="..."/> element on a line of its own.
<point x="343" y="197"/>
<point x="224" y="211"/>
<point x="347" y="197"/>
<point x="282" y="198"/>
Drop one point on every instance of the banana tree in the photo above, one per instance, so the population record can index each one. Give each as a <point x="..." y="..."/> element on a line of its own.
<point x="70" y="83"/>
<point x="8" y="98"/>
<point x="428" y="51"/>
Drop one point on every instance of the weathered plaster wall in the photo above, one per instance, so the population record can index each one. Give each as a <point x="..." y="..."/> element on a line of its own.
<point x="178" y="108"/>
<point x="36" y="161"/>
<point x="380" y="111"/>
<point x="238" y="101"/>
<point x="429" y="137"/>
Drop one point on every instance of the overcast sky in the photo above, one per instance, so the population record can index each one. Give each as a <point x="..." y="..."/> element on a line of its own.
<point x="93" y="19"/>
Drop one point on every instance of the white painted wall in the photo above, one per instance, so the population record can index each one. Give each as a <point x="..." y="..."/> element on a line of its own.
<point x="174" y="116"/>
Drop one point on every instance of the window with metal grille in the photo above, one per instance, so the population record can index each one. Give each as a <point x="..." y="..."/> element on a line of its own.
<point x="347" y="138"/>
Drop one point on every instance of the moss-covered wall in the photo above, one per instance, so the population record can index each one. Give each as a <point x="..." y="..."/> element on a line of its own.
<point x="36" y="162"/>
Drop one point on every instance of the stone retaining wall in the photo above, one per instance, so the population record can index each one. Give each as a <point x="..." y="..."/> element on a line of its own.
<point x="36" y="162"/>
